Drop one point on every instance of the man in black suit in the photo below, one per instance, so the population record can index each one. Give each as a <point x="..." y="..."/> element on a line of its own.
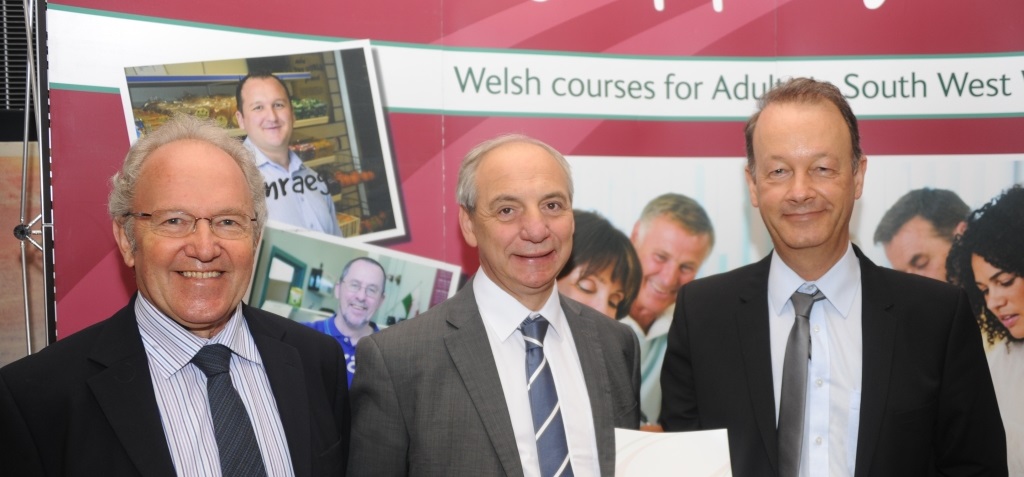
<point x="130" y="395"/>
<point x="882" y="375"/>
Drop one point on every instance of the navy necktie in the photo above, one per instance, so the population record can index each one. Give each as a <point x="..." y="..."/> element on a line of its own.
<point x="236" y="441"/>
<point x="552" y="448"/>
<point x="794" y="384"/>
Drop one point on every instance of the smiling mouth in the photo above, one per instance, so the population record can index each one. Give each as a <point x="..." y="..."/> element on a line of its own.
<point x="200" y="274"/>
<point x="1008" y="320"/>
<point x="658" y="290"/>
<point x="802" y="214"/>
<point x="535" y="256"/>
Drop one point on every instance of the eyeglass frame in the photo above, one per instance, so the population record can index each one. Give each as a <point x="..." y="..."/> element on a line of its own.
<point x="195" y="222"/>
<point x="355" y="286"/>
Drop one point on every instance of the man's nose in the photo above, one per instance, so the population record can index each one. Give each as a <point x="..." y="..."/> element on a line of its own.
<point x="534" y="226"/>
<point x="202" y="243"/>
<point x="800" y="187"/>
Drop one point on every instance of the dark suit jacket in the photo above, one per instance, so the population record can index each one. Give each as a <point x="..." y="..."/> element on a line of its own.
<point x="927" y="404"/>
<point x="427" y="399"/>
<point x="86" y="406"/>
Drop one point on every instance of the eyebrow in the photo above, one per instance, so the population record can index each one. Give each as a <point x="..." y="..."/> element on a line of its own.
<point x="219" y="212"/>
<point x="504" y="198"/>
<point x="995" y="276"/>
<point x="555" y="195"/>
<point x="517" y="200"/>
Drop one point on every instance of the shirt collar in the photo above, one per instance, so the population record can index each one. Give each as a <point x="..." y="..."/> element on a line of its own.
<point x="294" y="163"/>
<point x="172" y="347"/>
<point x="662" y="323"/>
<point x="503" y="313"/>
<point x="332" y="327"/>
<point x="839" y="284"/>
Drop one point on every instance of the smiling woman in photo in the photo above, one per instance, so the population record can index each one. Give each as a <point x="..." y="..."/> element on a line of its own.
<point x="987" y="262"/>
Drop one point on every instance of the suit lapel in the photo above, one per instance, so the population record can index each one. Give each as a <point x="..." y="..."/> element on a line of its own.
<point x="470" y="350"/>
<point x="751" y="322"/>
<point x="878" y="326"/>
<point x="595" y="374"/>
<point x="124" y="391"/>
<point x="287" y="381"/>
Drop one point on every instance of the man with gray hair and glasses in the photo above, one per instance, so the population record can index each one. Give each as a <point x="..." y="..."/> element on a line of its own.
<point x="360" y="292"/>
<point x="185" y="380"/>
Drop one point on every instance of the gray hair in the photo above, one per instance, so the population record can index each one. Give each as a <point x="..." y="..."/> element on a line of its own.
<point x="383" y="273"/>
<point x="682" y="210"/>
<point x="182" y="128"/>
<point x="466" y="193"/>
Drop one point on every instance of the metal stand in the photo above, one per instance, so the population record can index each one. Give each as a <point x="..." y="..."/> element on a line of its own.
<point x="24" y="231"/>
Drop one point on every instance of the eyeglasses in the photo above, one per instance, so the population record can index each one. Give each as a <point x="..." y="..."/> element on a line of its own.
<point x="177" y="224"/>
<point x="372" y="291"/>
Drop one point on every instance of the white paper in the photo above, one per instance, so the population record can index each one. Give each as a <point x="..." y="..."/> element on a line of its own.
<point x="676" y="454"/>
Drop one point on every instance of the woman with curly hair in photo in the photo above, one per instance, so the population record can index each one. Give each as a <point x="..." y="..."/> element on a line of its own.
<point x="988" y="262"/>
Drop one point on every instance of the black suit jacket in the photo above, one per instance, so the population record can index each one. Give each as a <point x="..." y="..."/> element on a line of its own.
<point x="927" y="403"/>
<point x="427" y="399"/>
<point x="86" y="406"/>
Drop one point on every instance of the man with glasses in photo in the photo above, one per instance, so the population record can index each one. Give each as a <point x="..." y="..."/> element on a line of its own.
<point x="359" y="291"/>
<point x="185" y="379"/>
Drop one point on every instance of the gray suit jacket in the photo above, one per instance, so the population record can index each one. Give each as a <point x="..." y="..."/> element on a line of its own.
<point x="427" y="399"/>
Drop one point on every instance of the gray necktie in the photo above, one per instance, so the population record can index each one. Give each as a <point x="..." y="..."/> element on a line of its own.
<point x="552" y="448"/>
<point x="236" y="441"/>
<point x="794" y="384"/>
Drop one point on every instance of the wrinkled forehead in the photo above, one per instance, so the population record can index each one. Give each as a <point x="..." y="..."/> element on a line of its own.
<point x="501" y="167"/>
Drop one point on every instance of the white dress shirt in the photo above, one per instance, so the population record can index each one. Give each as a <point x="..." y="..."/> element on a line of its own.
<point x="832" y="413"/>
<point x="180" y="388"/>
<point x="502" y="314"/>
<point x="297" y="195"/>
<point x="1006" y="363"/>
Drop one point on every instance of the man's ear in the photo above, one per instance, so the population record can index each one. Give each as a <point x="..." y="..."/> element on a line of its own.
<point x="123" y="244"/>
<point x="960" y="229"/>
<point x="858" y="178"/>
<point x="238" y="119"/>
<point x="466" y="224"/>
<point x="751" y="186"/>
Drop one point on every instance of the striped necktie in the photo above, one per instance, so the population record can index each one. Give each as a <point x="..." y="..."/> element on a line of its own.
<point x="552" y="448"/>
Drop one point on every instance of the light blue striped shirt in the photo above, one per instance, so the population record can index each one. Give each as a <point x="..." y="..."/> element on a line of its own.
<point x="180" y="389"/>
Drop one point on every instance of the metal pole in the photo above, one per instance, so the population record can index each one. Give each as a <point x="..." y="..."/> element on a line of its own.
<point x="24" y="231"/>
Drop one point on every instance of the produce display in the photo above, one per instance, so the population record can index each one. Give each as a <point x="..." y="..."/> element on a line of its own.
<point x="354" y="177"/>
<point x="220" y="108"/>
<point x="313" y="148"/>
<point x="308" y="108"/>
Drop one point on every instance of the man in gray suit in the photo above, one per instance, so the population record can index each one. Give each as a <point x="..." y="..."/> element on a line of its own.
<point x="447" y="393"/>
